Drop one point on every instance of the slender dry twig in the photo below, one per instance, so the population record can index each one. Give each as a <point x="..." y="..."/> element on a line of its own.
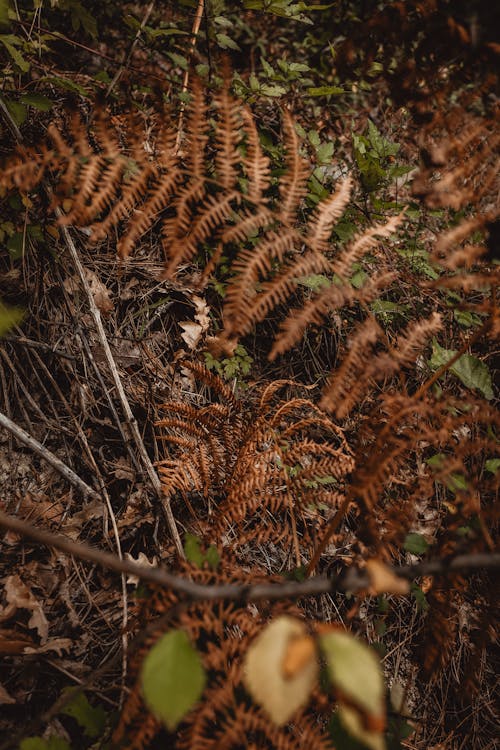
<point x="128" y="57"/>
<point x="192" y="45"/>
<point x="130" y="420"/>
<point x="48" y="456"/>
<point x="352" y="580"/>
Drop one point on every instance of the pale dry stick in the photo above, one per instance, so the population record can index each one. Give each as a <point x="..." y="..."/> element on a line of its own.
<point x="48" y="456"/>
<point x="185" y="81"/>
<point x="129" y="417"/>
<point x="125" y="63"/>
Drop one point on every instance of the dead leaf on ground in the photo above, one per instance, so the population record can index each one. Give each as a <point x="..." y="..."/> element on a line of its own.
<point x="141" y="559"/>
<point x="19" y="596"/>
<point x="58" y="645"/>
<point x="5" y="697"/>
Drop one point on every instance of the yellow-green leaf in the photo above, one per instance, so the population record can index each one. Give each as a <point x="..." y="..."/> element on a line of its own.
<point x="265" y="676"/>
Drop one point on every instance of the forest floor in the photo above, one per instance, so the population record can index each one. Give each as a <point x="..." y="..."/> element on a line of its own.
<point x="93" y="327"/>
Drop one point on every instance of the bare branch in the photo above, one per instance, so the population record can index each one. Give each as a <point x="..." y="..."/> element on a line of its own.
<point x="353" y="580"/>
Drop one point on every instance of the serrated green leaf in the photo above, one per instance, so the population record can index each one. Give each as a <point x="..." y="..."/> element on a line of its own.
<point x="275" y="90"/>
<point x="192" y="550"/>
<point x="324" y="153"/>
<point x="172" y="678"/>
<point x="225" y="42"/>
<point x="472" y="372"/>
<point x="39" y="101"/>
<point x="91" y="719"/>
<point x="10" y="43"/>
<point x="416" y="544"/>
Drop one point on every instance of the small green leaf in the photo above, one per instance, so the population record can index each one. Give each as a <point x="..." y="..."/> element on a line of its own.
<point x="65" y="83"/>
<point x="416" y="544"/>
<point x="15" y="245"/>
<point x="324" y="153"/>
<point x="212" y="557"/>
<point x="225" y="42"/>
<point x="314" y="281"/>
<point x="4" y="13"/>
<point x="192" y="550"/>
<point x="10" y="42"/>
<point x="471" y="371"/>
<point x="39" y="101"/>
<point x="17" y="111"/>
<point x="9" y="317"/>
<point x="39" y="743"/>
<point x="91" y="719"/>
<point x="419" y="596"/>
<point x="492" y="465"/>
<point x="172" y="678"/>
<point x="325" y="91"/>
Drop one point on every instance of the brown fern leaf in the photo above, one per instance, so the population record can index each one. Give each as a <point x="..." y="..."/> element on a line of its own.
<point x="293" y="183"/>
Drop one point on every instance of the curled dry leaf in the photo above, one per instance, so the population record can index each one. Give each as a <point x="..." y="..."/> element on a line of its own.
<point x="264" y="670"/>
<point x="142" y="559"/>
<point x="19" y="596"/>
<point x="384" y="581"/>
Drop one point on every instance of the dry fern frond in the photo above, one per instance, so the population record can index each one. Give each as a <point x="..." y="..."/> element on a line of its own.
<point x="263" y="465"/>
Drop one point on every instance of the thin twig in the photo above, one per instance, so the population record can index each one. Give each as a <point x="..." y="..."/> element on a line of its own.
<point x="353" y="580"/>
<point x="185" y="80"/>
<point x="48" y="456"/>
<point x="128" y="57"/>
<point x="130" y="420"/>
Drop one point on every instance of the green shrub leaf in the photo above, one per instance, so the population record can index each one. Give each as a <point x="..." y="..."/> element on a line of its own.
<point x="91" y="719"/>
<point x="416" y="544"/>
<point x="471" y="371"/>
<point x="172" y="678"/>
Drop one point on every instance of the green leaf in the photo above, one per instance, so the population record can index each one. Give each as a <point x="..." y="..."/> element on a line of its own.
<point x="419" y="596"/>
<point x="172" y="678"/>
<point x="354" y="670"/>
<point x="91" y="719"/>
<point x="325" y="91"/>
<point x="471" y="371"/>
<point x="212" y="557"/>
<point x="39" y="743"/>
<point x="4" y="13"/>
<point x="192" y="550"/>
<point x="314" y="281"/>
<point x="39" y="101"/>
<point x="492" y="465"/>
<point x="17" y="111"/>
<point x="225" y="42"/>
<point x="10" y="42"/>
<point x="324" y="153"/>
<point x="9" y="317"/>
<point x="15" y="245"/>
<point x="66" y="84"/>
<point x="416" y="544"/>
<point x="267" y="90"/>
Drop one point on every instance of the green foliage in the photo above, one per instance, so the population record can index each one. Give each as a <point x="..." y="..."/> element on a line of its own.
<point x="91" y="719"/>
<point x="238" y="366"/>
<point x="469" y="370"/>
<point x="374" y="155"/>
<point x="39" y="743"/>
<point x="172" y="678"/>
<point x="195" y="555"/>
<point x="416" y="544"/>
<point x="9" y="317"/>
